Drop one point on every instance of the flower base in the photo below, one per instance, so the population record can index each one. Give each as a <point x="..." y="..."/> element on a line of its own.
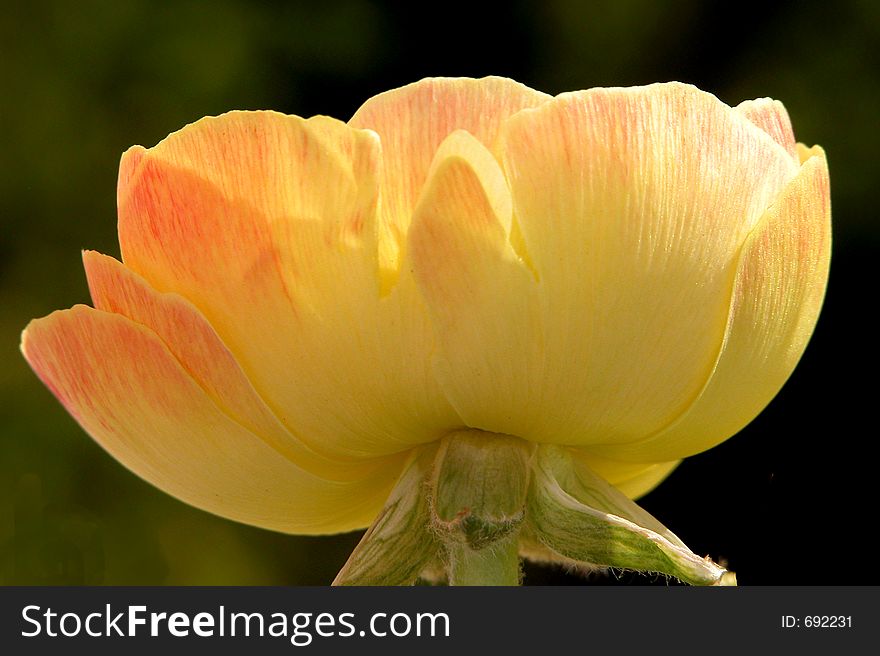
<point x="468" y="509"/>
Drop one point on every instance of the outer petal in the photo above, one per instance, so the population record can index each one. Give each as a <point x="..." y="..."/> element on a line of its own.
<point x="780" y="285"/>
<point x="481" y="297"/>
<point x="633" y="479"/>
<point x="128" y="391"/>
<point x="200" y="351"/>
<point x="770" y="116"/>
<point x="634" y="204"/>
<point x="266" y="224"/>
<point x="412" y="121"/>
<point x="645" y="481"/>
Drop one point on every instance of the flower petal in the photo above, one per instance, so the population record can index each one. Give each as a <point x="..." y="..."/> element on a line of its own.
<point x="633" y="479"/>
<point x="481" y="297"/>
<point x="646" y="480"/>
<point x="770" y="115"/>
<point x="780" y="284"/>
<point x="128" y="391"/>
<point x="412" y="121"/>
<point x="201" y="352"/>
<point x="265" y="223"/>
<point x="633" y="204"/>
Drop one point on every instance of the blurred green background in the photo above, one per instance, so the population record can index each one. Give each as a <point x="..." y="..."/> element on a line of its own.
<point x="81" y="81"/>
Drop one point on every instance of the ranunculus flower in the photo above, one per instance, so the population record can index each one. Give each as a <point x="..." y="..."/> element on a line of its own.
<point x="304" y="306"/>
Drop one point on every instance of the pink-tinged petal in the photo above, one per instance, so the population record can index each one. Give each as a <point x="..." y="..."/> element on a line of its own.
<point x="127" y="390"/>
<point x="412" y="121"/>
<point x="780" y="284"/>
<point x="266" y="224"/>
<point x="129" y="168"/>
<point x="770" y="115"/>
<point x="201" y="352"/>
<point x="481" y="297"/>
<point x="634" y="205"/>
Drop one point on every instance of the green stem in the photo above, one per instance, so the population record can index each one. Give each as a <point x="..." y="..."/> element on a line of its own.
<point x="495" y="564"/>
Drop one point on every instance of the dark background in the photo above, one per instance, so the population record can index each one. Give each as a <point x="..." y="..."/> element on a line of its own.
<point x="789" y="500"/>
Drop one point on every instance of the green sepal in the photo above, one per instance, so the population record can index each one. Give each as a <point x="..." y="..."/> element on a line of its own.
<point x="480" y="485"/>
<point x="578" y="515"/>
<point x="399" y="544"/>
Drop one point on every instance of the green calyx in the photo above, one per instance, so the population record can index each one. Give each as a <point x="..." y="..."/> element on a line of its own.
<point x="467" y="509"/>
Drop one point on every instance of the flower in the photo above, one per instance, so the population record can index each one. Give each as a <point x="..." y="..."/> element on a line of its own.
<point x="302" y="303"/>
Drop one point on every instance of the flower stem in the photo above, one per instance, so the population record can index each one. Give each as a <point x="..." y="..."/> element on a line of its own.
<point x="496" y="564"/>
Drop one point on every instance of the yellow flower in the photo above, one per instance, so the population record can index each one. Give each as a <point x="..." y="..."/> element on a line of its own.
<point x="630" y="272"/>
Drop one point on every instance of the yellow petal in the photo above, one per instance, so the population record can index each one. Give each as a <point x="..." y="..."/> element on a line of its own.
<point x="634" y="479"/>
<point x="645" y="481"/>
<point x="412" y="121"/>
<point x="779" y="288"/>
<point x="201" y="352"/>
<point x="770" y="115"/>
<point x="484" y="306"/>
<point x="634" y="204"/>
<point x="128" y="391"/>
<point x="265" y="223"/>
<point x="481" y="297"/>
